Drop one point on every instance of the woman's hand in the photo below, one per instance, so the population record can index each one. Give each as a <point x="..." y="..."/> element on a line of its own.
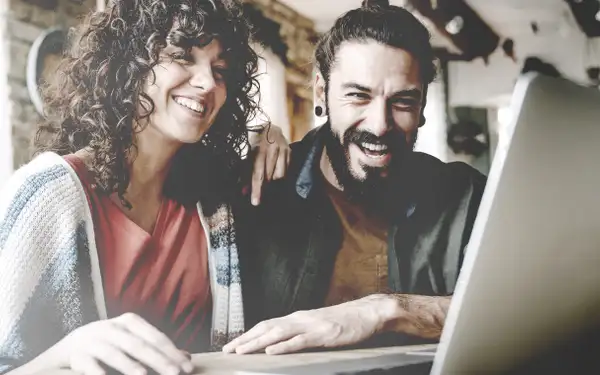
<point x="127" y="344"/>
<point x="272" y="157"/>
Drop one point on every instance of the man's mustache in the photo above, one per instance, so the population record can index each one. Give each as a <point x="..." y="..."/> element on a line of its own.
<point x="391" y="138"/>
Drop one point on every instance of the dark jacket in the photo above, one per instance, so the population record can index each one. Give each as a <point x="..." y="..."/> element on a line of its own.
<point x="292" y="238"/>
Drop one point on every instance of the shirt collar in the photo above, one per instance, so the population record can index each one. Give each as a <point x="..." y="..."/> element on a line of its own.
<point x="310" y="170"/>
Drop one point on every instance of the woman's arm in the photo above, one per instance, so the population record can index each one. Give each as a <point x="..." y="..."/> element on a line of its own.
<point x="127" y="344"/>
<point x="46" y="287"/>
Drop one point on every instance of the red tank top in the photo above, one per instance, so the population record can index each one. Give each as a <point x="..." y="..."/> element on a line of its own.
<point x="161" y="276"/>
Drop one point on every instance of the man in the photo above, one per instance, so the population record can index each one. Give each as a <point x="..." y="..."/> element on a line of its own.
<point x="364" y="238"/>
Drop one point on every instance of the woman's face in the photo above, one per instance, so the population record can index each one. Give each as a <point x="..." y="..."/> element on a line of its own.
<point x="188" y="91"/>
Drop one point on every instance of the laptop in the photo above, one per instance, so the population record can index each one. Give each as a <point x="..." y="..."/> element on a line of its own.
<point x="530" y="275"/>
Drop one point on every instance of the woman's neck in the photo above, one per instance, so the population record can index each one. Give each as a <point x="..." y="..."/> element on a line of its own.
<point x="149" y="165"/>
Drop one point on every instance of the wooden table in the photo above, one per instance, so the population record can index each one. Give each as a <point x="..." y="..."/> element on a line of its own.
<point x="228" y="364"/>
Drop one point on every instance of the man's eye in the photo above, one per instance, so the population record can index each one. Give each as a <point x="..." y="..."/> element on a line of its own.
<point x="404" y="102"/>
<point x="358" y="95"/>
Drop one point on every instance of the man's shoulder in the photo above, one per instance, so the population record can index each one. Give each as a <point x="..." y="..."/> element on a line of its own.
<point x="301" y="151"/>
<point x="302" y="148"/>
<point x="447" y="179"/>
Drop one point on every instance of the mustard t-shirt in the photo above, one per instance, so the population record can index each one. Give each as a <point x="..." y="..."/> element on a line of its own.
<point x="361" y="265"/>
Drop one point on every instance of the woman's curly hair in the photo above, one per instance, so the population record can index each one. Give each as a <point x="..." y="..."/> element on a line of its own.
<point x="94" y="101"/>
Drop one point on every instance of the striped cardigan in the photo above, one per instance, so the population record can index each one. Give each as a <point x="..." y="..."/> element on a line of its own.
<point x="50" y="279"/>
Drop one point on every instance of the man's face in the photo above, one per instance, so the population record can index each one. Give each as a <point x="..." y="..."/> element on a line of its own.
<point x="374" y="105"/>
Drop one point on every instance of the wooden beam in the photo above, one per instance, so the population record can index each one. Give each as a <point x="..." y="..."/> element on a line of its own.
<point x="45" y="4"/>
<point x="587" y="15"/>
<point x="457" y="21"/>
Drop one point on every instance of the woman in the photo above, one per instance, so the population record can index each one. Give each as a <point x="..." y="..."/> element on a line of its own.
<point x="107" y="260"/>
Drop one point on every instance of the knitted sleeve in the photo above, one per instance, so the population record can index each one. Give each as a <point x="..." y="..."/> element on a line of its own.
<point x="44" y="261"/>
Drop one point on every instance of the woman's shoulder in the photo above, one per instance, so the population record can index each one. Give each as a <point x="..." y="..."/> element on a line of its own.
<point x="43" y="170"/>
<point x="46" y="181"/>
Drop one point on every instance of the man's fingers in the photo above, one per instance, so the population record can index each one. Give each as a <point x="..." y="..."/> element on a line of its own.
<point x="294" y="344"/>
<point x="85" y="364"/>
<point x="157" y="339"/>
<point x="274" y="336"/>
<point x="257" y="331"/>
<point x="116" y="359"/>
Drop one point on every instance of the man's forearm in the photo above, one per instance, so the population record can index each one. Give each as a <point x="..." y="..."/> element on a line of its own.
<point x="422" y="316"/>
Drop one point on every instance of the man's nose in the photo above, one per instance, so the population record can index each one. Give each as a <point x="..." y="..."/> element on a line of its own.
<point x="378" y="117"/>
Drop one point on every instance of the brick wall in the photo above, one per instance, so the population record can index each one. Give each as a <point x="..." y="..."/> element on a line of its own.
<point x="24" y="22"/>
<point x="21" y="22"/>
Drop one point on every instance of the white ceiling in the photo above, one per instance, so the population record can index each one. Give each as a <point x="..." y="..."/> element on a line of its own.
<point x="509" y="18"/>
<point x="324" y="12"/>
<point x="512" y="18"/>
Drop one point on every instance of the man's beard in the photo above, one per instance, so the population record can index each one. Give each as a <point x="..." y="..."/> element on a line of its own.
<point x="371" y="190"/>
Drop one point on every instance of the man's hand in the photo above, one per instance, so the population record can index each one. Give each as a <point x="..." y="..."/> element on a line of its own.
<point x="339" y="325"/>
<point x="127" y="344"/>
<point x="346" y="324"/>
<point x="422" y="316"/>
<point x="272" y="158"/>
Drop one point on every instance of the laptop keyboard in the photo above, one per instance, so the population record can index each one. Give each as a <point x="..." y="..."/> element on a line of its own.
<point x="414" y="369"/>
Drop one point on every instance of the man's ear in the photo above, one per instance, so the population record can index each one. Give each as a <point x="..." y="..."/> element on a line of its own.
<point x="423" y="104"/>
<point x="319" y="90"/>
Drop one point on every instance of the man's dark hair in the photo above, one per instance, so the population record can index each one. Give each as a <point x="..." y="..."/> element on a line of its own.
<point x="384" y="23"/>
<point x="93" y="103"/>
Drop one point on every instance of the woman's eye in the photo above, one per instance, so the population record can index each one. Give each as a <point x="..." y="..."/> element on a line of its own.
<point x="181" y="57"/>
<point x="220" y="73"/>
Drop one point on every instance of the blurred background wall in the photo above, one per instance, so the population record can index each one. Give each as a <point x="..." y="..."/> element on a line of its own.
<point x="483" y="46"/>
